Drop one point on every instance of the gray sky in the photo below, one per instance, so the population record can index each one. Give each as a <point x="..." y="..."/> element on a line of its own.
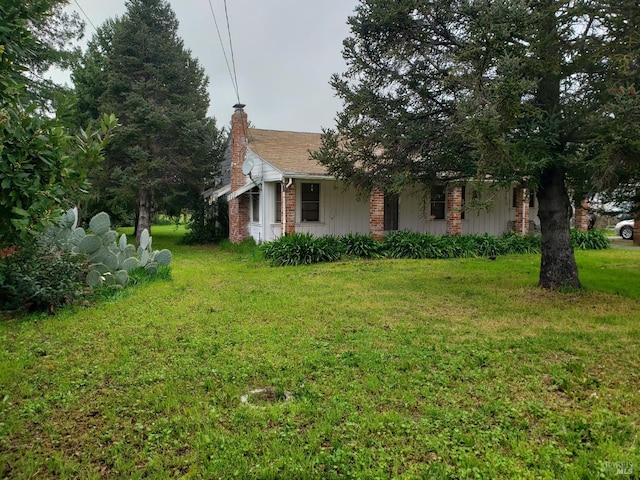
<point x="285" y="52"/>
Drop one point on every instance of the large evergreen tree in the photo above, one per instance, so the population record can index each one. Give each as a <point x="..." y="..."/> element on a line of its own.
<point x="138" y="67"/>
<point x="540" y="92"/>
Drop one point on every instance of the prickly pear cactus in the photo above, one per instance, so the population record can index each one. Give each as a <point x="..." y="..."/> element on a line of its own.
<point x="110" y="257"/>
<point x="151" y="259"/>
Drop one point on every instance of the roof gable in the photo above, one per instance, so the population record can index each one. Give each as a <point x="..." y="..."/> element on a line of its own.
<point x="287" y="151"/>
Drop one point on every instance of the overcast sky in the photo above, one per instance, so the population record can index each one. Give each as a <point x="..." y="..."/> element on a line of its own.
<point x="285" y="52"/>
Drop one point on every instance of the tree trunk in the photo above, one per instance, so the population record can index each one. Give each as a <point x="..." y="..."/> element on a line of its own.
<point x="558" y="265"/>
<point x="144" y="213"/>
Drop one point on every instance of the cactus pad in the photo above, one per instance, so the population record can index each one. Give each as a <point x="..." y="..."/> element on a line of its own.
<point x="122" y="278"/>
<point x="130" y="264"/>
<point x="100" y="223"/>
<point x="94" y="279"/>
<point x="163" y="257"/>
<point x="90" y="244"/>
<point x="144" y="239"/>
<point x="110" y="237"/>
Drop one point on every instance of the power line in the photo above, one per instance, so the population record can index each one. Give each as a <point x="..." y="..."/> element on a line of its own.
<point x="85" y="15"/>
<point x="234" y="80"/>
<point x="233" y="60"/>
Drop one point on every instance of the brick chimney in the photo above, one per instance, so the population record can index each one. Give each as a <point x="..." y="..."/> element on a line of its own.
<point x="239" y="206"/>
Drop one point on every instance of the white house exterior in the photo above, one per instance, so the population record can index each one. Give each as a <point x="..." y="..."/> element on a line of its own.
<point x="276" y="188"/>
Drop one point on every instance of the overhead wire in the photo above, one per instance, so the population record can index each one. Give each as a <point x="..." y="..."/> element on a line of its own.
<point x="85" y="15"/>
<point x="231" y="67"/>
<point x="233" y="60"/>
<point x="234" y="81"/>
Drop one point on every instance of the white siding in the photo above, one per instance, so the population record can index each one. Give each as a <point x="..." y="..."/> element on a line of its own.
<point x="413" y="214"/>
<point x="272" y="230"/>
<point x="495" y="219"/>
<point x="341" y="212"/>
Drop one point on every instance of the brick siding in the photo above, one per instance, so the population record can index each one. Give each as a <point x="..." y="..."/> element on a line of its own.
<point x="581" y="217"/>
<point x="376" y="214"/>
<point x="454" y="211"/>
<point x="239" y="206"/>
<point x="521" y="224"/>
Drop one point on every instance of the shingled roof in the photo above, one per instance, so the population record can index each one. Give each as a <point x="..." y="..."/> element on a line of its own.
<point x="287" y="151"/>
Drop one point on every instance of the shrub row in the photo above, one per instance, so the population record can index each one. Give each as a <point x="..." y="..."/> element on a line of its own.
<point x="304" y="248"/>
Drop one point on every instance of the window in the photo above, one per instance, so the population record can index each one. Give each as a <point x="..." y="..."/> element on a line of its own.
<point x="463" y="202"/>
<point x="278" y="201"/>
<point x="310" y="211"/>
<point x="255" y="204"/>
<point x="438" y="200"/>
<point x="391" y="203"/>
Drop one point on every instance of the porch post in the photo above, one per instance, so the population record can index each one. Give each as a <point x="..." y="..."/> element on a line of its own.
<point x="454" y="211"/>
<point x="376" y="214"/>
<point x="522" y="211"/>
<point x="288" y="206"/>
<point x="581" y="217"/>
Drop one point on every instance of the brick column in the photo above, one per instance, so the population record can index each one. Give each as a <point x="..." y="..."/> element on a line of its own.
<point x="239" y="206"/>
<point x="581" y="217"/>
<point x="376" y="214"/>
<point x="454" y="211"/>
<point x="521" y="224"/>
<point x="289" y="207"/>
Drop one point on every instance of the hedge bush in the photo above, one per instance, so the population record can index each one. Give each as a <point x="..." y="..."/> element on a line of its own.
<point x="589" y="240"/>
<point x="41" y="277"/>
<point x="304" y="248"/>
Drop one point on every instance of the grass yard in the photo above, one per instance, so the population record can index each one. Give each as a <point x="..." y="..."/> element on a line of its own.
<point x="366" y="369"/>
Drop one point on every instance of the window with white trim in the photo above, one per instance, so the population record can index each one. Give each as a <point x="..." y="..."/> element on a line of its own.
<point x="255" y="205"/>
<point x="278" y="202"/>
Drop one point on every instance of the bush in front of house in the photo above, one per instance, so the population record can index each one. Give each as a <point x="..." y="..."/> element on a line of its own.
<point x="360" y="245"/>
<point x="511" y="242"/>
<point x="589" y="240"/>
<point x="304" y="248"/>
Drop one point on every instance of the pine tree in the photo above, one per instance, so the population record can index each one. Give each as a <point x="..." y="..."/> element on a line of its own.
<point x="138" y="67"/>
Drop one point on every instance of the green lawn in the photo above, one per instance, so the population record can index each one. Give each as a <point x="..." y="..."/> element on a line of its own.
<point x="370" y="369"/>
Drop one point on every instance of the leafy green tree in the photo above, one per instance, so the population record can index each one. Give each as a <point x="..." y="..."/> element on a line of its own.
<point x="43" y="165"/>
<point x="540" y="92"/>
<point x="138" y="67"/>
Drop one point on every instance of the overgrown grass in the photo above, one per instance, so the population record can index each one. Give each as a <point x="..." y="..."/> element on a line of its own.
<point x="368" y="369"/>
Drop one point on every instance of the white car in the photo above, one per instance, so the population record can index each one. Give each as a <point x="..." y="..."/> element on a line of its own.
<point x="624" y="229"/>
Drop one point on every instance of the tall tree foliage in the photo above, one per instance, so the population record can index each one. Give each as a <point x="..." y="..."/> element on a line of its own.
<point x="40" y="35"/>
<point x="43" y="164"/>
<point x="137" y="66"/>
<point x="540" y="92"/>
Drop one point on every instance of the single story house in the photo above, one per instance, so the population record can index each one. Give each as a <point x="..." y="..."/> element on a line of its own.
<point x="274" y="188"/>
